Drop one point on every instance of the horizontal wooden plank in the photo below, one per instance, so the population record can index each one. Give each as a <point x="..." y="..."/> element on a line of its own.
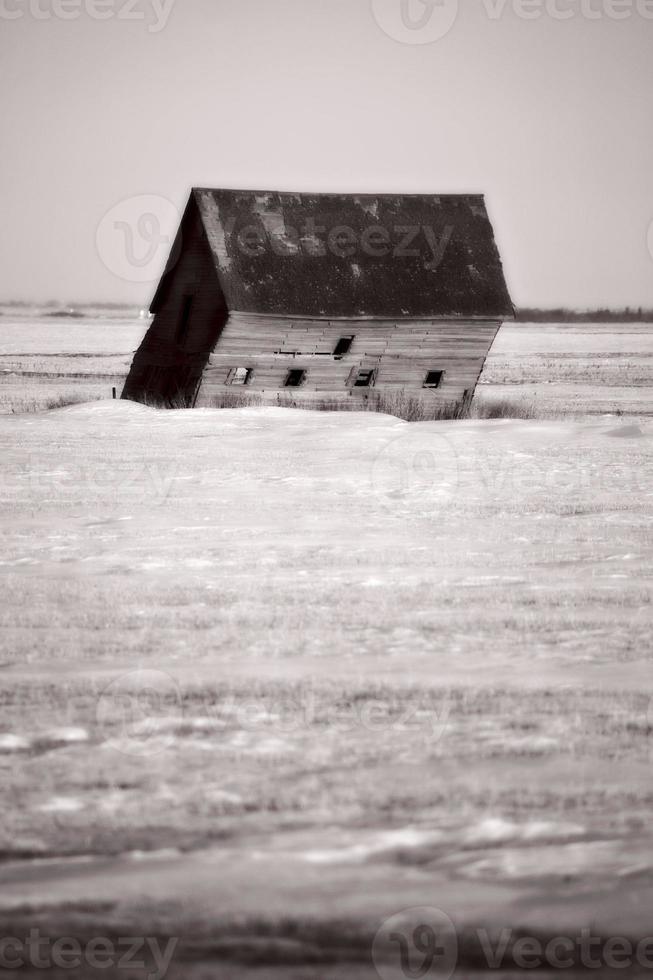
<point x="401" y="352"/>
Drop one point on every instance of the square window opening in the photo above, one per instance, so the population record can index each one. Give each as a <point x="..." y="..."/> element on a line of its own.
<point x="240" y="376"/>
<point x="295" y="378"/>
<point x="364" y="379"/>
<point x="433" y="379"/>
<point x="343" y="346"/>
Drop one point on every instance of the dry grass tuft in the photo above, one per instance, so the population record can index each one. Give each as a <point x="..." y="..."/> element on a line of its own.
<point x="401" y="404"/>
<point x="410" y="408"/>
<point x="502" y="408"/>
<point x="233" y="399"/>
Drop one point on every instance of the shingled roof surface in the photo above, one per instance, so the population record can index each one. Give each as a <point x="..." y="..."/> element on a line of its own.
<point x="354" y="255"/>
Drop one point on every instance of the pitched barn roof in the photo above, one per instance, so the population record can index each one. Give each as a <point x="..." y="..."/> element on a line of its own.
<point x="368" y="255"/>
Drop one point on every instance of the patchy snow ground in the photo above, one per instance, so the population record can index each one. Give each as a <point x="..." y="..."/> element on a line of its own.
<point x="318" y="668"/>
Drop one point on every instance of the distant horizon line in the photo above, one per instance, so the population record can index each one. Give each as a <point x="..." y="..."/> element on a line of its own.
<point x="632" y="310"/>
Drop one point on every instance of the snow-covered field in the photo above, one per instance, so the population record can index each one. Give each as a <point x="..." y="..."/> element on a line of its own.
<point x="293" y="669"/>
<point x="574" y="368"/>
<point x="270" y="677"/>
<point x="44" y="359"/>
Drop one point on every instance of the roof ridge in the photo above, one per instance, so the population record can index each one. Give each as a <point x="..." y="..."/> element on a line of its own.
<point x="454" y="195"/>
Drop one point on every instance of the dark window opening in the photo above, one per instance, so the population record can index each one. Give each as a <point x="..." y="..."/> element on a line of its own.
<point x="183" y="322"/>
<point x="240" y="376"/>
<point x="294" y="379"/>
<point x="433" y="379"/>
<point x="343" y="346"/>
<point x="364" y="379"/>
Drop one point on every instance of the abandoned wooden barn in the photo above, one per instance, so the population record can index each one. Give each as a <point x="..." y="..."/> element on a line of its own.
<point x="323" y="296"/>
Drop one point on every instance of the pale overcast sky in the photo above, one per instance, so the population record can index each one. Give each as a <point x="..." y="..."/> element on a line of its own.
<point x="547" y="109"/>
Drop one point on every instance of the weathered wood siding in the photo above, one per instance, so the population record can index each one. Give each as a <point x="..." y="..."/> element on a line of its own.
<point x="401" y="352"/>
